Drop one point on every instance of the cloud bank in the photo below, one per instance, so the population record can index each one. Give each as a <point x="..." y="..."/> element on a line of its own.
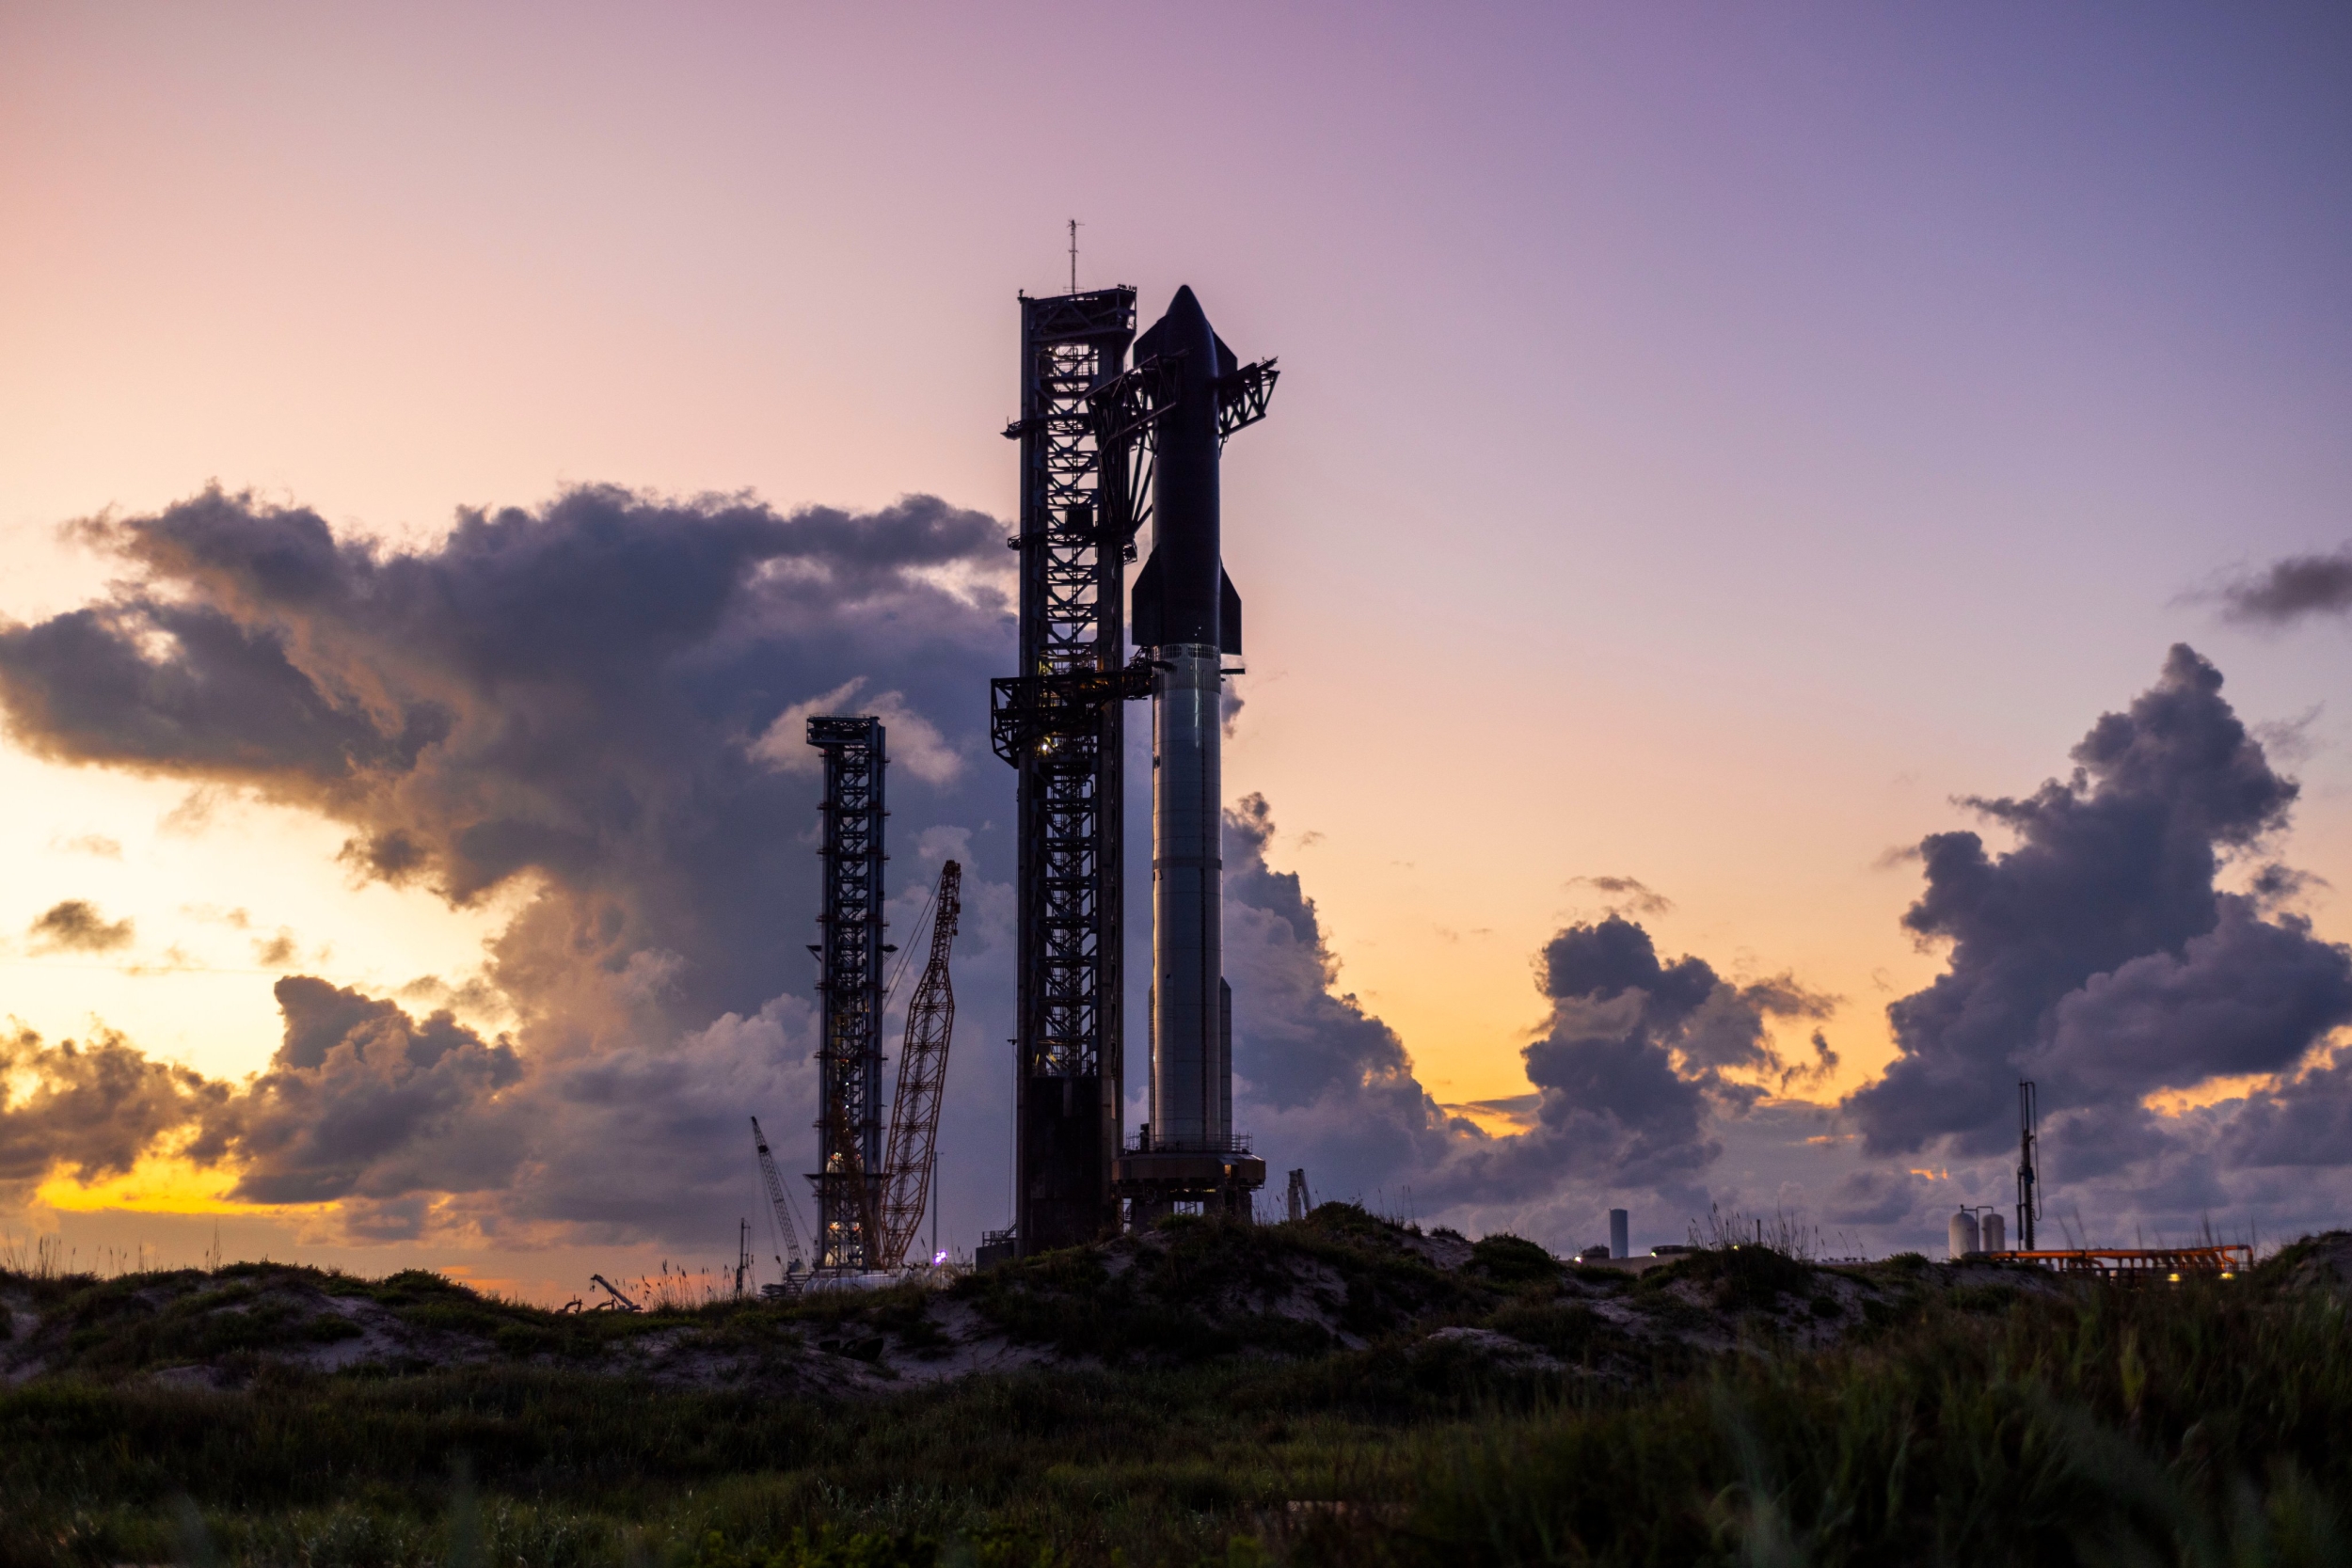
<point x="592" y="708"/>
<point x="578" y="704"/>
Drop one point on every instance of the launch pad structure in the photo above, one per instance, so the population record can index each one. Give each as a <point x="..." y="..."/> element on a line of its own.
<point x="1060" y="722"/>
<point x="1089" y="429"/>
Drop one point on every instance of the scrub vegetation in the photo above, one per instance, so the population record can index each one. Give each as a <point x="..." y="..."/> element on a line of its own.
<point x="1335" y="1391"/>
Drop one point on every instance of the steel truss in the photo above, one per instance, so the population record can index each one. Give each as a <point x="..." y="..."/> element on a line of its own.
<point x="1059" y="722"/>
<point x="849" y="1052"/>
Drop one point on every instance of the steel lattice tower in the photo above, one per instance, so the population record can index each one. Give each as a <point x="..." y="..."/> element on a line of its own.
<point x="849" y="1051"/>
<point x="1059" y="722"/>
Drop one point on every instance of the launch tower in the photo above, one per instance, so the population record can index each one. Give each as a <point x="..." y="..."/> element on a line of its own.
<point x="1060" y="723"/>
<point x="1103" y="450"/>
<point x="849" y="1049"/>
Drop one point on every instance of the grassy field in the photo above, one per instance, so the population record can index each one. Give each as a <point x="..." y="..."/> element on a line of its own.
<point x="1964" y="1423"/>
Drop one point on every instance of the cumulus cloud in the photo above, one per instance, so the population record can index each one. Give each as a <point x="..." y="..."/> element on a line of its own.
<point x="358" y="1099"/>
<point x="87" y="1110"/>
<point x="75" y="925"/>
<point x="2294" y="589"/>
<point x="551" y="704"/>
<point x="2102" y="957"/>
<point x="595" y="707"/>
<point x="1637" y="1068"/>
<point x="2098" y="952"/>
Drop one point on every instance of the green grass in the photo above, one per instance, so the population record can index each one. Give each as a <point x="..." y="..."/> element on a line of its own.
<point x="2202" y="1424"/>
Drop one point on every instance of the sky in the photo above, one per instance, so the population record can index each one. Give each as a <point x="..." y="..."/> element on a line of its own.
<point x="1717" y="453"/>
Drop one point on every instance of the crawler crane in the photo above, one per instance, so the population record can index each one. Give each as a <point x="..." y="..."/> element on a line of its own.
<point x="788" y="1234"/>
<point x="921" y="1073"/>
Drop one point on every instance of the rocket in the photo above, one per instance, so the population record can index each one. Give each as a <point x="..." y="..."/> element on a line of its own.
<point x="1188" y="615"/>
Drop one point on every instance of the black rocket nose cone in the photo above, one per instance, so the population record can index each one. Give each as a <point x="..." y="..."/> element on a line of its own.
<point x="1184" y="309"/>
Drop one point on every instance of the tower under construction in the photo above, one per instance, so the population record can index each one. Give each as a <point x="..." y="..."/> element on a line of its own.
<point x="849" y="994"/>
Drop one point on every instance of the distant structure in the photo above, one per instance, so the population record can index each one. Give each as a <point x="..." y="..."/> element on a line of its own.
<point x="791" y="1267"/>
<point x="849" y="994"/>
<point x="1301" y="1203"/>
<point x="2028" y="1179"/>
<point x="1963" y="1235"/>
<point x="1620" y="1234"/>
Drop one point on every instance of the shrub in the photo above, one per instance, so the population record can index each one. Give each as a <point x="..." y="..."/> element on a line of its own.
<point x="1513" y="1260"/>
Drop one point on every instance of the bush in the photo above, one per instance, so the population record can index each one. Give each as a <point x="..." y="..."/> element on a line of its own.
<point x="1510" y="1260"/>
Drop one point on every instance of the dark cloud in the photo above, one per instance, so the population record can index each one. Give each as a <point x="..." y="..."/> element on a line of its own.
<point x="359" y="1101"/>
<point x="2098" y="953"/>
<point x="2292" y="589"/>
<point x="562" y="695"/>
<point x="1878" y="1198"/>
<point x="2300" y="1124"/>
<point x="1639" y="1050"/>
<point x="87" y="1110"/>
<point x="578" y="704"/>
<point x="75" y="925"/>
<point x="1637" y="1068"/>
<point x="2249" y="996"/>
<point x="1626" y="895"/>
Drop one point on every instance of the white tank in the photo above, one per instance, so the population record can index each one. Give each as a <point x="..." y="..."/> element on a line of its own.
<point x="1989" y="1232"/>
<point x="1964" y="1234"/>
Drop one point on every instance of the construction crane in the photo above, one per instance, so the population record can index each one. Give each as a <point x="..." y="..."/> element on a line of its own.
<point x="787" y="1232"/>
<point x="921" y="1073"/>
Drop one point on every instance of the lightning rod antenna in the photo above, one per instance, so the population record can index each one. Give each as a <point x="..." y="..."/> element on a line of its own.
<point x="1073" y="256"/>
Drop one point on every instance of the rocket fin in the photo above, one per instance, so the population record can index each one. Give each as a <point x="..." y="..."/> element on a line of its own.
<point x="1228" y="613"/>
<point x="1143" y="626"/>
<point x="1226" y="361"/>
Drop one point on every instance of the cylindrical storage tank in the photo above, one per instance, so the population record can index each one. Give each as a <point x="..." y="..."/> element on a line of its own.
<point x="1619" y="1243"/>
<point x="1964" y="1234"/>
<point x="1989" y="1233"/>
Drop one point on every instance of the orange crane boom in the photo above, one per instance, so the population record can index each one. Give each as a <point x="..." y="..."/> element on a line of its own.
<point x="922" y="1074"/>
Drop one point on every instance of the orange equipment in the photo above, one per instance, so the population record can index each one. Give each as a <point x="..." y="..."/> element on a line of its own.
<point x="2132" y="1266"/>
